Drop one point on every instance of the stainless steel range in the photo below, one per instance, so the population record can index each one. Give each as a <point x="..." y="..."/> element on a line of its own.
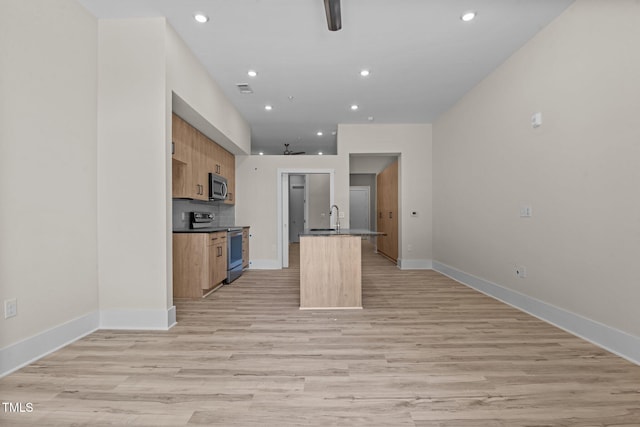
<point x="203" y="222"/>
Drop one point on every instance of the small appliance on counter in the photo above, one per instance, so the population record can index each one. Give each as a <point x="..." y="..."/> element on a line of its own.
<point x="203" y="222"/>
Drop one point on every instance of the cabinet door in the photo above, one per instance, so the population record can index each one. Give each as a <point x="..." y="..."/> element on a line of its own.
<point x="221" y="258"/>
<point x="200" y="172"/>
<point x="181" y="149"/>
<point x="182" y="185"/>
<point x="217" y="258"/>
<point x="229" y="167"/>
<point x="245" y="247"/>
<point x="190" y="265"/>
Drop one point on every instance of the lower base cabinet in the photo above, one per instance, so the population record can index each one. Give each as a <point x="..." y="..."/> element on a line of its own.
<point x="245" y="247"/>
<point x="199" y="263"/>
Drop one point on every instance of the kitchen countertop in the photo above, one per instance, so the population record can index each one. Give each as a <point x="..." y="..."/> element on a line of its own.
<point x="209" y="229"/>
<point x="341" y="232"/>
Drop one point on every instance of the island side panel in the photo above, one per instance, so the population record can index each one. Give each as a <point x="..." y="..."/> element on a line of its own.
<point x="330" y="272"/>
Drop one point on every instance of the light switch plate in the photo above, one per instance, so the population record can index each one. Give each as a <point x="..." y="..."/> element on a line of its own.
<point x="10" y="308"/>
<point x="526" y="211"/>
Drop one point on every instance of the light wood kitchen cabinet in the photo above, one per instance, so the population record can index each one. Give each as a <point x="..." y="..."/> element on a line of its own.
<point x="217" y="257"/>
<point x="229" y="169"/>
<point x="190" y="177"/>
<point x="194" y="157"/>
<point x="245" y="247"/>
<point x="199" y="263"/>
<point x="200" y="166"/>
<point x="387" y="211"/>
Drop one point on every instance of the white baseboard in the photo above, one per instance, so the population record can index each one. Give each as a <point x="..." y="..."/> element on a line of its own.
<point x="415" y="264"/>
<point x="611" y="339"/>
<point x="264" y="264"/>
<point x="138" y="319"/>
<point x="22" y="353"/>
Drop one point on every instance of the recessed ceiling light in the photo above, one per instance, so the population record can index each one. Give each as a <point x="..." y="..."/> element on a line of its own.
<point x="319" y="133"/>
<point x="354" y="107"/>
<point x="201" y="17"/>
<point x="468" y="16"/>
<point x="268" y="107"/>
<point x="252" y="73"/>
<point x="334" y="132"/>
<point x="261" y="153"/>
<point x="319" y="153"/>
<point x="364" y="73"/>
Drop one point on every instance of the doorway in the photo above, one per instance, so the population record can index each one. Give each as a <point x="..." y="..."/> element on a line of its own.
<point x="283" y="225"/>
<point x="297" y="207"/>
<point x="359" y="203"/>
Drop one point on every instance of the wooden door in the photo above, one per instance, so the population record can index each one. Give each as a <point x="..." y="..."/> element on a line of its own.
<point x="387" y="211"/>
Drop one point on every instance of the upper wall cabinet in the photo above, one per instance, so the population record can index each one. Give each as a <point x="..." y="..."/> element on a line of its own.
<point x="189" y="177"/>
<point x="194" y="157"/>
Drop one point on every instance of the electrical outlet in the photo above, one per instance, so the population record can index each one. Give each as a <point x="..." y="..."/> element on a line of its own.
<point x="521" y="271"/>
<point x="341" y="215"/>
<point x="409" y="248"/>
<point x="10" y="308"/>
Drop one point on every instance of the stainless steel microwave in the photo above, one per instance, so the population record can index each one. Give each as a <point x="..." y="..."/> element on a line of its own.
<point x="217" y="187"/>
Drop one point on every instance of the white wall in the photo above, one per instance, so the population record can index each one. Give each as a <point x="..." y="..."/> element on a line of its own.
<point x="132" y="174"/>
<point x="48" y="228"/>
<point x="202" y="102"/>
<point x="256" y="202"/>
<point x="579" y="171"/>
<point x="413" y="144"/>
<point x="257" y="184"/>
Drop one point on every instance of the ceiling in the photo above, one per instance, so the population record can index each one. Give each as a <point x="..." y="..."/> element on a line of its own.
<point x="422" y="57"/>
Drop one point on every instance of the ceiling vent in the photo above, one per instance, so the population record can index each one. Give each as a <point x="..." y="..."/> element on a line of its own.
<point x="244" y="88"/>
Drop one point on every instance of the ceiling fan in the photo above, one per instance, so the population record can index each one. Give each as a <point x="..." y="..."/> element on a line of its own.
<point x="334" y="16"/>
<point x="287" y="152"/>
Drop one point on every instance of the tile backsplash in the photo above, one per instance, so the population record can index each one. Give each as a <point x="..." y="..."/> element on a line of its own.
<point x="225" y="215"/>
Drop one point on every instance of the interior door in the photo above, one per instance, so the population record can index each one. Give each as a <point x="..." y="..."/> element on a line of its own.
<point x="359" y="208"/>
<point x="296" y="207"/>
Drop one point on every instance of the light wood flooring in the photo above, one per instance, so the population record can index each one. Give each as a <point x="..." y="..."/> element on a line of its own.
<point x="424" y="351"/>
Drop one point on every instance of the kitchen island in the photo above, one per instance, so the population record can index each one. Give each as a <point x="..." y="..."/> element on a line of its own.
<point x="331" y="268"/>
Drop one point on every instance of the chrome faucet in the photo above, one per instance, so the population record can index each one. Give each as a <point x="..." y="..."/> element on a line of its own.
<point x="337" y="215"/>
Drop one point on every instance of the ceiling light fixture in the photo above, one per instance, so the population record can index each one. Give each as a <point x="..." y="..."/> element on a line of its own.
<point x="334" y="16"/>
<point x="252" y="73"/>
<point x="468" y="16"/>
<point x="354" y="107"/>
<point x="201" y="17"/>
<point x="268" y="107"/>
<point x="364" y="73"/>
<point x="319" y="133"/>
<point x="319" y="153"/>
<point x="261" y="153"/>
